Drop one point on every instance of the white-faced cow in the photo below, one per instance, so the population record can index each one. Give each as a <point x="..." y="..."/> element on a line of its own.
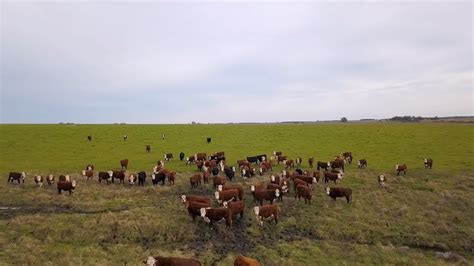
<point x="266" y="212"/>
<point x="17" y="176"/>
<point x="382" y="179"/>
<point x="428" y="163"/>
<point x="401" y="168"/>
<point x="362" y="163"/>
<point x="323" y="165"/>
<point x="39" y="180"/>
<point x="66" y="186"/>
<point x="338" y="192"/>
<point x="168" y="156"/>
<point x="211" y="215"/>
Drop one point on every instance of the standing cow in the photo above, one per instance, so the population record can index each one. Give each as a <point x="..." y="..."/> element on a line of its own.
<point x="16" y="176"/>
<point x="428" y="163"/>
<point x="401" y="168"/>
<point x="181" y="156"/>
<point x="310" y="162"/>
<point x="148" y="148"/>
<point x="124" y="163"/>
<point x="266" y="212"/>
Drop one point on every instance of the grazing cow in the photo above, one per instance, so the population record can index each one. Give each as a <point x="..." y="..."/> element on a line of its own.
<point x="168" y="156"/>
<point x="236" y="207"/>
<point x="252" y="159"/>
<point x="317" y="175"/>
<point x="298" y="182"/>
<point x="125" y="137"/>
<point x="64" y="178"/>
<point x="132" y="179"/>
<point x="200" y="156"/>
<point x="88" y="174"/>
<point x="267" y="194"/>
<point x="245" y="261"/>
<point x="226" y="195"/>
<point x="218" y="180"/>
<point x="50" y="179"/>
<point x="304" y="192"/>
<point x="104" y="176"/>
<point x="298" y="161"/>
<point x="186" y="198"/>
<point x="308" y="179"/>
<point x="39" y="180"/>
<point x="89" y="138"/>
<point x="195" y="180"/>
<point x="211" y="215"/>
<point x="16" y="176"/>
<point x="401" y="168"/>
<point x="281" y="158"/>
<point x="194" y="208"/>
<point x="209" y="140"/>
<point x="310" y="162"/>
<point x="120" y="175"/>
<point x="141" y="178"/>
<point x="362" y="163"/>
<point x="337" y="164"/>
<point x="228" y="187"/>
<point x="266" y="212"/>
<point x="347" y="156"/>
<point x="148" y="148"/>
<point x="66" y="186"/>
<point x="323" y="165"/>
<point x="124" y="163"/>
<point x="328" y="176"/>
<point x="190" y="160"/>
<point x="338" y="192"/>
<point x="229" y="172"/>
<point x="181" y="156"/>
<point x="277" y="153"/>
<point x="171" y="261"/>
<point x="283" y="188"/>
<point x="382" y="179"/>
<point x="428" y="163"/>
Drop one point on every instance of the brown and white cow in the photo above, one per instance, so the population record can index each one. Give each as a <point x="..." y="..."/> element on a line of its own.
<point x="195" y="180"/>
<point x="339" y="192"/>
<point x="124" y="163"/>
<point x="228" y="187"/>
<point x="247" y="172"/>
<point x="132" y="179"/>
<point x="88" y="174"/>
<point x="200" y="156"/>
<point x="168" y="156"/>
<point x="66" y="178"/>
<point x="241" y="260"/>
<point x="362" y="163"/>
<point x="89" y="167"/>
<point x="337" y="164"/>
<point x="50" y="179"/>
<point x="267" y="194"/>
<point x="304" y="192"/>
<point x="194" y="208"/>
<point x="347" y="156"/>
<point x="281" y="158"/>
<point x="16" y="176"/>
<point x="201" y="199"/>
<point x="289" y="164"/>
<point x="211" y="215"/>
<point x="382" y="179"/>
<point x="120" y="175"/>
<point x="328" y="176"/>
<point x="323" y="165"/>
<point x="66" y="186"/>
<point x="428" y="163"/>
<point x="237" y="207"/>
<point x="254" y="188"/>
<point x="218" y="180"/>
<point x="190" y="159"/>
<point x="277" y="153"/>
<point x="275" y="179"/>
<point x="308" y="179"/>
<point x="39" y="180"/>
<point x="401" y="168"/>
<point x="226" y="195"/>
<point x="171" y="261"/>
<point x="266" y="212"/>
<point x="298" y="182"/>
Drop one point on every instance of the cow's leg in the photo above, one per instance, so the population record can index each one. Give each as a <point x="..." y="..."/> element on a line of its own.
<point x="59" y="191"/>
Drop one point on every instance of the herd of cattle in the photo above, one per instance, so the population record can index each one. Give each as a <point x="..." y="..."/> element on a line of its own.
<point x="230" y="196"/>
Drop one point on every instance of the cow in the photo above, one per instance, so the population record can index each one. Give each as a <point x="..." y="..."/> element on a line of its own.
<point x="148" y="148"/>
<point x="50" y="179"/>
<point x="382" y="179"/>
<point x="323" y="165"/>
<point x="247" y="172"/>
<point x="241" y="260"/>
<point x="299" y="171"/>
<point x="308" y="179"/>
<point x="125" y="137"/>
<point x="124" y="163"/>
<point x="219" y="153"/>
<point x="120" y="175"/>
<point x="310" y="162"/>
<point x="194" y="208"/>
<point x="236" y="207"/>
<point x="201" y="199"/>
<point x="428" y="163"/>
<point x="215" y="171"/>
<point x="190" y="160"/>
<point x="195" y="180"/>
<point x="17" y="176"/>
<point x="200" y="156"/>
<point x="66" y="186"/>
<point x="254" y="188"/>
<point x="199" y="165"/>
<point x="362" y="163"/>
<point x="171" y="175"/>
<point x="160" y="176"/>
<point x="281" y="158"/>
<point x="252" y="159"/>
<point x="89" y="167"/>
<point x="229" y="172"/>
<point x="141" y="178"/>
<point x="304" y="192"/>
<point x="208" y="140"/>
<point x="206" y="175"/>
<point x="218" y="180"/>
<point x="104" y="176"/>
<point x="242" y="163"/>
<point x="228" y="187"/>
<point x="89" y="138"/>
<point x="132" y="179"/>
<point x="347" y="156"/>
<point x="338" y="192"/>
<point x="401" y="168"/>
<point x="328" y="176"/>
<point x="266" y="212"/>
<point x="277" y="153"/>
<point x="316" y="175"/>
<point x="168" y="156"/>
<point x="171" y="261"/>
<point x="181" y="156"/>
<point x="88" y="174"/>
<point x="39" y="180"/>
<point x="211" y="215"/>
<point x="283" y="188"/>
<point x="298" y="161"/>
<point x="275" y="179"/>
<point x="226" y="195"/>
<point x="261" y="158"/>
<point x="267" y="194"/>
<point x="337" y="164"/>
<point x="298" y="182"/>
<point x="64" y="178"/>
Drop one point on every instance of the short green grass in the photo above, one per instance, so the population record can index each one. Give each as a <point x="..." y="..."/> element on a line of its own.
<point x="424" y="212"/>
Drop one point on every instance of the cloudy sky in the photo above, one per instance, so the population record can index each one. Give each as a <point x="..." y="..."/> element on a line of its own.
<point x="158" y="62"/>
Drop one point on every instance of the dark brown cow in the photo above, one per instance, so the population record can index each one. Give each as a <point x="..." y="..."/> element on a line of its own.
<point x="66" y="186"/>
<point x="339" y="192"/>
<point x="226" y="195"/>
<point x="16" y="176"/>
<point x="200" y="156"/>
<point x="218" y="180"/>
<point x="148" y="148"/>
<point x="120" y="175"/>
<point x="281" y="158"/>
<point x="241" y="260"/>
<point x="304" y="192"/>
<point x="323" y="165"/>
<point x="328" y="176"/>
<point x="211" y="215"/>
<point x="88" y="174"/>
<point x="428" y="163"/>
<point x="267" y="194"/>
<point x="64" y="178"/>
<point x="254" y="188"/>
<point x="236" y="207"/>
<point x="124" y="163"/>
<point x="195" y="180"/>
<point x="277" y="153"/>
<point x="382" y="179"/>
<point x="298" y="182"/>
<point x="337" y="164"/>
<point x="228" y="187"/>
<point x="168" y="156"/>
<point x="308" y="179"/>
<point x="310" y="162"/>
<point x="89" y="138"/>
<point x="104" y="176"/>
<point x="266" y="212"/>
<point x="201" y="199"/>
<point x="401" y="168"/>
<point x="171" y="261"/>
<point x="362" y="163"/>
<point x="289" y="164"/>
<point x="194" y="208"/>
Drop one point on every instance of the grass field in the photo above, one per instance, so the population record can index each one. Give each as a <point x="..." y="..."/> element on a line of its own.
<point x="424" y="212"/>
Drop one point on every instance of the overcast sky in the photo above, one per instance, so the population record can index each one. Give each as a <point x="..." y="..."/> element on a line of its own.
<point x="152" y="62"/>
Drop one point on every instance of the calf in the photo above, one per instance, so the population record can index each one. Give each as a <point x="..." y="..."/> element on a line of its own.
<point x="171" y="261"/>
<point x="195" y="180"/>
<point x="209" y="140"/>
<point x="339" y="192"/>
<point x="218" y="180"/>
<point x="245" y="261"/>
<point x="328" y="176"/>
<point x="211" y="215"/>
<point x="88" y="174"/>
<point x="226" y="195"/>
<point x="304" y="192"/>
<point x="168" y="156"/>
<point x="194" y="208"/>
<point x="39" y="180"/>
<point x="125" y="137"/>
<point x="236" y="207"/>
<point x="310" y="162"/>
<point x="362" y="163"/>
<point x="401" y="168"/>
<point x="428" y="163"/>
<point x="181" y="156"/>
<point x="132" y="179"/>
<point x="141" y="178"/>
<point x="298" y="161"/>
<point x="266" y="212"/>
<point x="16" y="176"/>
<point x="382" y="179"/>
<point x="228" y="187"/>
<point x="66" y="186"/>
<point x="267" y="194"/>
<point x="124" y="163"/>
<point x="50" y="179"/>
<point x="148" y="148"/>
<point x="201" y="199"/>
<point x="104" y="176"/>
<point x="323" y="165"/>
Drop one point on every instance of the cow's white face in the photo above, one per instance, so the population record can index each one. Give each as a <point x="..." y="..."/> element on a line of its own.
<point x="264" y="158"/>
<point x="219" y="187"/>
<point x="284" y="188"/>
<point x="83" y="172"/>
<point x="328" y="190"/>
<point x="426" y="160"/>
<point x="50" y="177"/>
<point x="73" y="183"/>
<point x="381" y="178"/>
<point x="272" y="178"/>
<point x="256" y="210"/>
<point x="216" y="194"/>
<point x="68" y="178"/>
<point x="23" y="175"/>
<point x="153" y="177"/>
<point x="252" y="188"/>
<point x="244" y="172"/>
<point x="328" y="164"/>
<point x="89" y="167"/>
<point x="203" y="215"/>
<point x="396" y="167"/>
<point x="150" y="261"/>
<point x="277" y="193"/>
<point x="225" y="204"/>
<point x="183" y="198"/>
<point x="260" y="170"/>
<point x="358" y="163"/>
<point x="314" y="180"/>
<point x="110" y="173"/>
<point x="284" y="172"/>
<point x="284" y="162"/>
<point x="339" y="176"/>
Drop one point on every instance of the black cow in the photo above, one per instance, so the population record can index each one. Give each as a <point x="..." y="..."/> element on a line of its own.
<point x="229" y="172"/>
<point x="181" y="156"/>
<point x="209" y="140"/>
<point x="141" y="178"/>
<point x="215" y="171"/>
<point x="89" y="138"/>
<point x="252" y="159"/>
<point x="158" y="177"/>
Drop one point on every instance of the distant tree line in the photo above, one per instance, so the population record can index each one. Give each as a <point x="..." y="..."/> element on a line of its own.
<point x="408" y="118"/>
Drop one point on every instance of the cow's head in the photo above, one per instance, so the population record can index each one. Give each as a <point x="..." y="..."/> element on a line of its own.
<point x="219" y="187"/>
<point x="183" y="198"/>
<point x="315" y="180"/>
<point x="396" y="167"/>
<point x="272" y="178"/>
<point x="68" y="178"/>
<point x="73" y="183"/>
<point x="381" y="178"/>
<point x="216" y="194"/>
<point x="233" y="169"/>
<point x="110" y="173"/>
<point x="23" y="175"/>
<point x="284" y="162"/>
<point x="328" y="190"/>
<point x="339" y="176"/>
<point x="153" y="176"/>
<point x="150" y="261"/>
<point x="284" y="172"/>
<point x="284" y="187"/>
<point x="328" y="164"/>
<point x="131" y="179"/>
<point x="203" y="214"/>
<point x="274" y="152"/>
<point x="83" y="172"/>
<point x="264" y="158"/>
<point x="359" y="162"/>
<point x="50" y="177"/>
<point x="244" y="172"/>
<point x="252" y="188"/>
<point x="256" y="211"/>
<point x="277" y="193"/>
<point x="426" y="160"/>
<point x="260" y="170"/>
